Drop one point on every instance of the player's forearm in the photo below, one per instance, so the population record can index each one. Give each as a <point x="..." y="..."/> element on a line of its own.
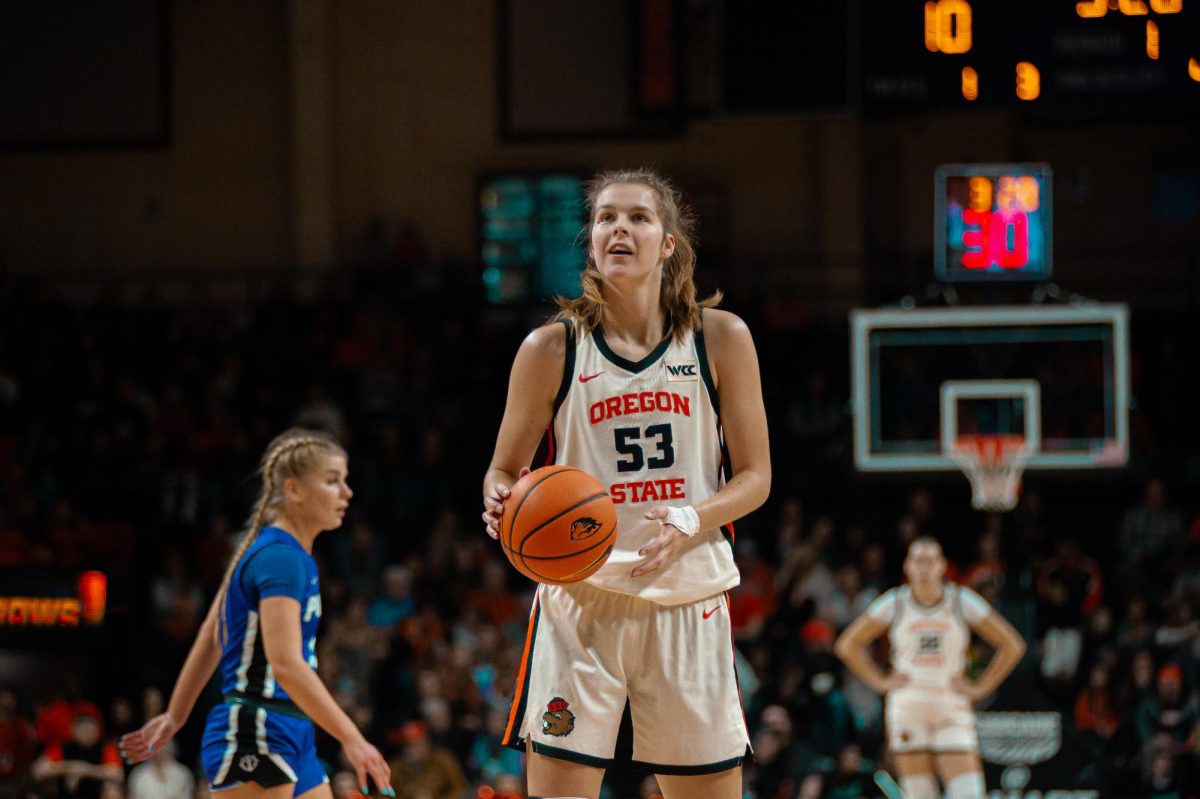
<point x="310" y="695"/>
<point x="862" y="666"/>
<point x="47" y="769"/>
<point x="745" y="493"/>
<point x="201" y="662"/>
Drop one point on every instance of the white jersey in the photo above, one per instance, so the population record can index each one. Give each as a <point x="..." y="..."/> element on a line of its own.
<point x="929" y="642"/>
<point x="650" y="433"/>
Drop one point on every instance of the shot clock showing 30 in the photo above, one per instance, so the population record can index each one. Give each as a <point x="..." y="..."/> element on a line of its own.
<point x="993" y="222"/>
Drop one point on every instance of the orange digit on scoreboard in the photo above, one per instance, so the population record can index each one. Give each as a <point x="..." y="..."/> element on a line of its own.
<point x="1029" y="81"/>
<point x="981" y="193"/>
<point x="970" y="83"/>
<point x="948" y="26"/>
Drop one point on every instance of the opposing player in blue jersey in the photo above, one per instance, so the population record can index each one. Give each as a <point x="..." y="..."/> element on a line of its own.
<point x="261" y="631"/>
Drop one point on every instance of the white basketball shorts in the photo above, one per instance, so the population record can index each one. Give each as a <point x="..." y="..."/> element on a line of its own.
<point x="920" y="719"/>
<point x="590" y="651"/>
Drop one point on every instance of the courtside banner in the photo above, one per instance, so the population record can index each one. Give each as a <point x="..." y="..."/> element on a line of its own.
<point x="1035" y="753"/>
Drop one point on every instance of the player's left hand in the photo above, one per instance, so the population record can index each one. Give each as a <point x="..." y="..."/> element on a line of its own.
<point x="493" y="505"/>
<point x="141" y="744"/>
<point x="662" y="548"/>
<point x="968" y="688"/>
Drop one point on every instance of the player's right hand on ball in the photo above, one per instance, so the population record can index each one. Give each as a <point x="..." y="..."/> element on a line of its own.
<point x="493" y="505"/>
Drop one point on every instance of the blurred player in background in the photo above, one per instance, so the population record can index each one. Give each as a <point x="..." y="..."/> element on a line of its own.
<point x="261" y="631"/>
<point x="629" y="380"/>
<point x="929" y="713"/>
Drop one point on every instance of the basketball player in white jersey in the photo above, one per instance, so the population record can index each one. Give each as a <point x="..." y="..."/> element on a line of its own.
<point x="928" y="701"/>
<point x="658" y="396"/>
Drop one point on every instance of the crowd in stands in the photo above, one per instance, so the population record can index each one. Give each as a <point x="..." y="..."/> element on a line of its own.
<point x="127" y="439"/>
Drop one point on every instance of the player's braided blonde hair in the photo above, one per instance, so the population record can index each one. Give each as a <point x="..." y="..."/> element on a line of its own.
<point x="293" y="454"/>
<point x="677" y="295"/>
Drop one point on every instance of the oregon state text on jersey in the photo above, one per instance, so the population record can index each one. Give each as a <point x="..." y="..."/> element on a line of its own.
<point x="649" y="431"/>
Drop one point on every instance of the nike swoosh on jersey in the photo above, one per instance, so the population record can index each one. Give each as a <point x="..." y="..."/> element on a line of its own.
<point x="583" y="379"/>
<point x="710" y="612"/>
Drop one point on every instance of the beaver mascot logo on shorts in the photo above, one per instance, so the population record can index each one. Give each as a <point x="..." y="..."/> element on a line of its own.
<point x="584" y="527"/>
<point x="557" y="720"/>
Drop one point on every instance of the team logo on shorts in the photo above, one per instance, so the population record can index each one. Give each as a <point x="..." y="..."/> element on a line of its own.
<point x="248" y="762"/>
<point x="557" y="720"/>
<point x="584" y="527"/>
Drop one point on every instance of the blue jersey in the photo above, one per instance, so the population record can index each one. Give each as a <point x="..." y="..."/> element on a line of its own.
<point x="274" y="565"/>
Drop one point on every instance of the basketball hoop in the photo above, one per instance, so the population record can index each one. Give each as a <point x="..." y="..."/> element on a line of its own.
<point x="994" y="464"/>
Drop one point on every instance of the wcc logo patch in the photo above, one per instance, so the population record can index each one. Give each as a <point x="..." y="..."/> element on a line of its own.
<point x="584" y="527"/>
<point x="557" y="720"/>
<point x="248" y="763"/>
<point x="678" y="371"/>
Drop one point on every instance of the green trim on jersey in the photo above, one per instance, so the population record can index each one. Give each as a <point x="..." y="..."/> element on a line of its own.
<point x="283" y="706"/>
<point x="691" y="771"/>
<point x="726" y="464"/>
<point x="705" y="372"/>
<point x="568" y="369"/>
<point x="573" y="757"/>
<point x="625" y="363"/>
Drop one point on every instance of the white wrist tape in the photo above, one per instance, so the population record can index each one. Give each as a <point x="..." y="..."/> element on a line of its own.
<point x="685" y="519"/>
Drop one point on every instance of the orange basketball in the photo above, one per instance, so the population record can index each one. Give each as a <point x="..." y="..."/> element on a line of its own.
<point x="559" y="525"/>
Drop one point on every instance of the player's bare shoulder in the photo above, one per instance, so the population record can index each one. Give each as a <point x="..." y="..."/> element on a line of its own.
<point x="720" y="327"/>
<point x="547" y="345"/>
<point x="537" y="369"/>
<point x="727" y="338"/>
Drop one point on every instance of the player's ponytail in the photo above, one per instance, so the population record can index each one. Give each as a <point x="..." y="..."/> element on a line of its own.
<point x="677" y="296"/>
<point x="291" y="454"/>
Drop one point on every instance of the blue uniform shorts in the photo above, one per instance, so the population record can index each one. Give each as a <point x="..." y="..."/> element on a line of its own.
<point x="244" y="742"/>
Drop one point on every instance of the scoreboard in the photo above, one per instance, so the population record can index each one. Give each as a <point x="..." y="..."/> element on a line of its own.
<point x="1105" y="57"/>
<point x="655" y="63"/>
<point x="993" y="222"/>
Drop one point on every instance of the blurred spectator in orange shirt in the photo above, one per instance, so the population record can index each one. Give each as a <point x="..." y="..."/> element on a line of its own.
<point x="55" y="718"/>
<point x="1095" y="708"/>
<point x="82" y="764"/>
